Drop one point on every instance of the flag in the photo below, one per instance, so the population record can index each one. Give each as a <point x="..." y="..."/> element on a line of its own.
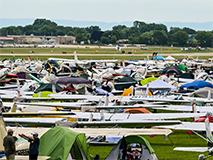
<point x="118" y="48"/>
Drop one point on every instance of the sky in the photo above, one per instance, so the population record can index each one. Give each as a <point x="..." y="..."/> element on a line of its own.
<point x="110" y="10"/>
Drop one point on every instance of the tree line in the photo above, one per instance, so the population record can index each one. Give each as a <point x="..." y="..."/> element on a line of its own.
<point x="139" y="33"/>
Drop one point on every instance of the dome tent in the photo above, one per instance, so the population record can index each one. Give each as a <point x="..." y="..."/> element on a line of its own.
<point x="62" y="143"/>
<point x="147" y="152"/>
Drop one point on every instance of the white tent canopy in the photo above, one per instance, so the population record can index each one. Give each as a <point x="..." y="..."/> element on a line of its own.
<point x="169" y="58"/>
<point x="158" y="85"/>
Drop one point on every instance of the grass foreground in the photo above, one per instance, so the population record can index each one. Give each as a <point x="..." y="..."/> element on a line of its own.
<point x="163" y="148"/>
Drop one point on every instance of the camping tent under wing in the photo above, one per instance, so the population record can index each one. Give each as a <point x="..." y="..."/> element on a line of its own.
<point x="158" y="85"/>
<point x="147" y="152"/>
<point x="63" y="144"/>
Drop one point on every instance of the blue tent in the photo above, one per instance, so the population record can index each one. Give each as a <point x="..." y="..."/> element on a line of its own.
<point x="158" y="57"/>
<point x="132" y="60"/>
<point x="196" y="85"/>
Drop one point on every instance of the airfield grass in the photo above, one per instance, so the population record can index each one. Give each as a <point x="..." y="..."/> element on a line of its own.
<point x="163" y="149"/>
<point x="102" y="53"/>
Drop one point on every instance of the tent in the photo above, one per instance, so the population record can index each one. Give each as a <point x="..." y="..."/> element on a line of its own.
<point x="72" y="80"/>
<point x="48" y="87"/>
<point x="125" y="83"/>
<point x="169" y="58"/>
<point x="196" y="85"/>
<point x="158" y="57"/>
<point x="42" y="94"/>
<point x="202" y="92"/>
<point x="172" y="69"/>
<point x="158" y="85"/>
<point x="144" y="148"/>
<point x="182" y="67"/>
<point x="62" y="143"/>
<point x="187" y="76"/>
<point x="148" y="80"/>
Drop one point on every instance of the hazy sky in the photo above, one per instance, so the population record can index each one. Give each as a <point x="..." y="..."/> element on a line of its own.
<point x="110" y="10"/>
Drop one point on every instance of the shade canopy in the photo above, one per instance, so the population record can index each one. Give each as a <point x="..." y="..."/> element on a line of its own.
<point x="169" y="58"/>
<point x="158" y="85"/>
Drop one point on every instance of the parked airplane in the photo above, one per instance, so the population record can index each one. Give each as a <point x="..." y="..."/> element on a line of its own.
<point x="209" y="140"/>
<point x="84" y="64"/>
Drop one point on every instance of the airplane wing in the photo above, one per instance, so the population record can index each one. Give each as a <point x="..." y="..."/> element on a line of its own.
<point x="192" y="149"/>
<point x="33" y="121"/>
<point x="197" y="126"/>
<point x="67" y="105"/>
<point x="30" y="98"/>
<point x="76" y="105"/>
<point x="27" y="157"/>
<point x="126" y="124"/>
<point x="9" y="87"/>
<point x="184" y="108"/>
<point x="97" y="131"/>
<point x="121" y="131"/>
<point x="169" y="99"/>
<point x="128" y="116"/>
<point x="30" y="114"/>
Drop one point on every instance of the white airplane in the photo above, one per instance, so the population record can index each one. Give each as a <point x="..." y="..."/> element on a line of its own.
<point x="84" y="64"/>
<point x="3" y="73"/>
<point x="88" y="131"/>
<point x="209" y="140"/>
<point x="103" y="119"/>
<point x="178" y="99"/>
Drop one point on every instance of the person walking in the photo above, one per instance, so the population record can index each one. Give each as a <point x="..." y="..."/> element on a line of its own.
<point x="9" y="145"/>
<point x="34" y="144"/>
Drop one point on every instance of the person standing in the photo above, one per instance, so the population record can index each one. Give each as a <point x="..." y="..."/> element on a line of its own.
<point x="9" y="145"/>
<point x="34" y="144"/>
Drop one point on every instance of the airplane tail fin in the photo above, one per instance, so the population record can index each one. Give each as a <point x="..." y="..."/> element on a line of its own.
<point x="102" y="115"/>
<point x="209" y="94"/>
<point x="208" y="130"/>
<point x="19" y="86"/>
<point x="194" y="109"/>
<point x="75" y="56"/>
<point x="29" y="58"/>
<point x="14" y="108"/>
<point x="3" y="132"/>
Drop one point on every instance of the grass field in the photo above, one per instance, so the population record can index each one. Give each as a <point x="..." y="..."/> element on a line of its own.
<point x="98" y="53"/>
<point x="163" y="149"/>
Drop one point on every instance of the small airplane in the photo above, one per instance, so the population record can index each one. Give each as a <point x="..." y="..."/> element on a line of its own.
<point x="84" y="64"/>
<point x="209" y="140"/>
<point x="172" y="98"/>
<point x="23" y="144"/>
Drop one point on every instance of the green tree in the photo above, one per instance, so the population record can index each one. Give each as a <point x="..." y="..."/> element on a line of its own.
<point x="119" y="27"/>
<point x="104" y="40"/>
<point x="192" y="42"/>
<point x="204" y="38"/>
<point x="93" y="28"/>
<point x="189" y="30"/>
<point x="113" y="39"/>
<point x="79" y="38"/>
<point x="181" y="38"/>
<point x="44" y="22"/>
<point x="160" y="37"/>
<point x="138" y="24"/>
<point x="143" y="39"/>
